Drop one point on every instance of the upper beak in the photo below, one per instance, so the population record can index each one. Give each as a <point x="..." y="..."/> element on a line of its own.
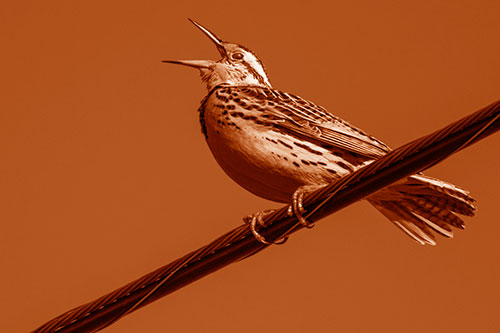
<point x="202" y="63"/>
<point x="216" y="40"/>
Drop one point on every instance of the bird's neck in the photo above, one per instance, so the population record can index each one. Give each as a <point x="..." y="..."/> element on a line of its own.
<point x="221" y="74"/>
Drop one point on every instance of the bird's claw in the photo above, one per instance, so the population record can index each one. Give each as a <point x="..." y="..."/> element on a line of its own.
<point x="258" y="218"/>
<point x="297" y="206"/>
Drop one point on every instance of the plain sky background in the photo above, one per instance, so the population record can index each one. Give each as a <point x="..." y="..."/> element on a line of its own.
<point x="105" y="176"/>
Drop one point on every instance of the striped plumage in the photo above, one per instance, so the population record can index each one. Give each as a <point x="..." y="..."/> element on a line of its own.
<point x="272" y="143"/>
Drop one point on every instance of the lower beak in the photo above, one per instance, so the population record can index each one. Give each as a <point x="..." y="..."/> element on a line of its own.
<point x="191" y="63"/>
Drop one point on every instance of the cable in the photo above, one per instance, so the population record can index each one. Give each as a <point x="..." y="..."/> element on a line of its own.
<point x="240" y="243"/>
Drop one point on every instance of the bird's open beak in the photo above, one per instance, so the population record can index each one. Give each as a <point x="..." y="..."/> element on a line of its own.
<point x="202" y="63"/>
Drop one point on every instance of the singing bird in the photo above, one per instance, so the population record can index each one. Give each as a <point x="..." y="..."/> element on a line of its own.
<point x="280" y="146"/>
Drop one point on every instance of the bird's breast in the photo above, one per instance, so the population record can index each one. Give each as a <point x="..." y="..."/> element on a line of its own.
<point x="267" y="162"/>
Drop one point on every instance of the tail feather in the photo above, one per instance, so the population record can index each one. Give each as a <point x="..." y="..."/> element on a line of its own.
<point x="443" y="187"/>
<point x="431" y="219"/>
<point x="404" y="220"/>
<point x="443" y="216"/>
<point x="430" y="201"/>
<point x="422" y="205"/>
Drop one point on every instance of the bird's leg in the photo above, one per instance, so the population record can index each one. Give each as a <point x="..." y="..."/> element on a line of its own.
<point x="297" y="208"/>
<point x="258" y="218"/>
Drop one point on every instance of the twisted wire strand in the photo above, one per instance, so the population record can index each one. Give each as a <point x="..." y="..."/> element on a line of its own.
<point x="240" y="243"/>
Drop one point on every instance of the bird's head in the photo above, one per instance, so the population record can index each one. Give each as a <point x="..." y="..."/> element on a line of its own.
<point x="238" y="66"/>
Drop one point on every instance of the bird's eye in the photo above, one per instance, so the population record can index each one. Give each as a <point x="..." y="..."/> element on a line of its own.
<point x="237" y="56"/>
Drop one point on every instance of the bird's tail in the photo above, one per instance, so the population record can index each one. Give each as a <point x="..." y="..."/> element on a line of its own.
<point x="422" y="206"/>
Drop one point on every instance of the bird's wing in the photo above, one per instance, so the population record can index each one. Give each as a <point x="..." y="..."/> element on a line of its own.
<point x="312" y="122"/>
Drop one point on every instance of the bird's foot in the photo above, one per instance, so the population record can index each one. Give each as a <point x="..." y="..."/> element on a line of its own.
<point x="258" y="218"/>
<point x="297" y="207"/>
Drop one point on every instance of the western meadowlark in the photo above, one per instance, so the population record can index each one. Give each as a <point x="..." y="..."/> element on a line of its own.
<point x="280" y="146"/>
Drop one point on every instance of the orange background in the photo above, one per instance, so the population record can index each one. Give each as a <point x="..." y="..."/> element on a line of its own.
<point x="104" y="175"/>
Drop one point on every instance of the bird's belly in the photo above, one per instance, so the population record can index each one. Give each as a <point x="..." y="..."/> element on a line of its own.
<point x="266" y="162"/>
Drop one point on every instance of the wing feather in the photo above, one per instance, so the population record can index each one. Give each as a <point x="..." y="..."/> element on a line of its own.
<point x="312" y="122"/>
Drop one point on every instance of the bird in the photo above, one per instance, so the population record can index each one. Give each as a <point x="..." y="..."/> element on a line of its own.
<point x="280" y="147"/>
